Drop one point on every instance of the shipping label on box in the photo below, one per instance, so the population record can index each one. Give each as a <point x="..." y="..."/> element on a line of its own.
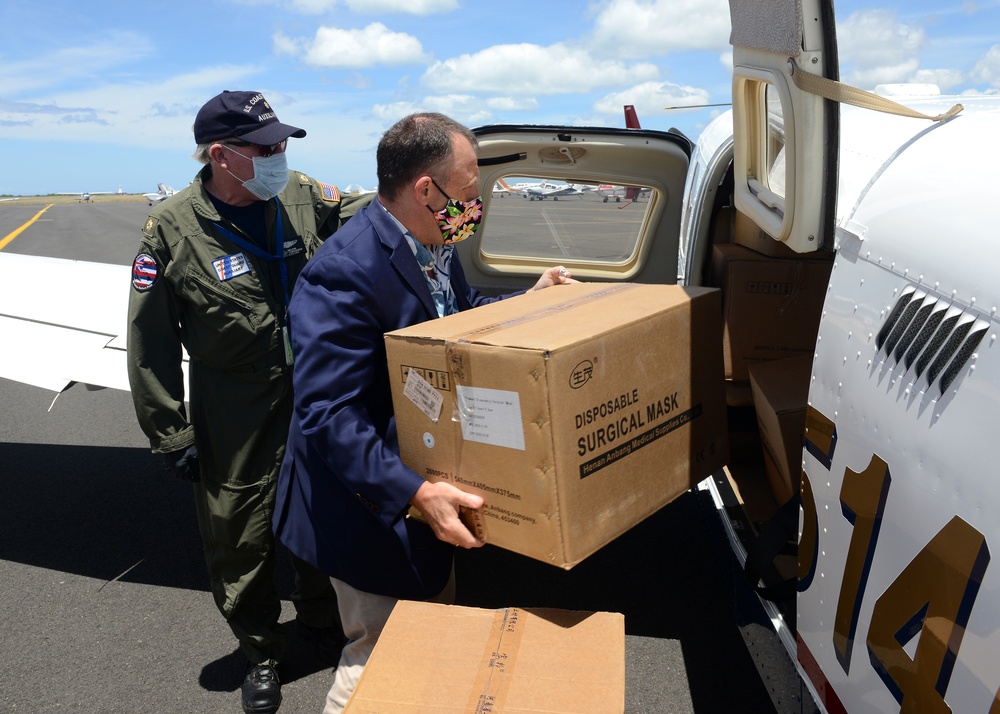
<point x="433" y="658"/>
<point x="575" y="411"/>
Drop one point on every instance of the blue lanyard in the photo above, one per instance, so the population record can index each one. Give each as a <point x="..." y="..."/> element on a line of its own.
<point x="277" y="257"/>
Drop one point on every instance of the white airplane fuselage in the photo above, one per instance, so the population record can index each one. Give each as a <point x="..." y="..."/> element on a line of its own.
<point x="899" y="600"/>
<point x="920" y="223"/>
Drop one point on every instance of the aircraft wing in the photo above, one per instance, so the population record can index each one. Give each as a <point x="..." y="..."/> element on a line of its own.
<point x="162" y="191"/>
<point x="562" y="191"/>
<point x="56" y="336"/>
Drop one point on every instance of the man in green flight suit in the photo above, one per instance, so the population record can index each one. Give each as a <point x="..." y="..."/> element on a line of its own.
<point x="214" y="272"/>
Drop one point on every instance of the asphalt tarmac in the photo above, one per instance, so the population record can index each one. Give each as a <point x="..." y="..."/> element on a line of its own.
<point x="106" y="606"/>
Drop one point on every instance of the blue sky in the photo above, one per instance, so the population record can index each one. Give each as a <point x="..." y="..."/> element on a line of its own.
<point x="98" y="94"/>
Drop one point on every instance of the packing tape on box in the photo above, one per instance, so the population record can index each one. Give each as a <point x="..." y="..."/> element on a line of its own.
<point x="492" y="683"/>
<point x="457" y="357"/>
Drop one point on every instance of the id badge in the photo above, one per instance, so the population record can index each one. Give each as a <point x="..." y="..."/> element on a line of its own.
<point x="287" y="340"/>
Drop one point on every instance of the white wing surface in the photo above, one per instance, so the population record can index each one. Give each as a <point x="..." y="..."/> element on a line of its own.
<point x="63" y="322"/>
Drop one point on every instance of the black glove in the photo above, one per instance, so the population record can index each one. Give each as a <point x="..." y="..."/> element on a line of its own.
<point x="184" y="464"/>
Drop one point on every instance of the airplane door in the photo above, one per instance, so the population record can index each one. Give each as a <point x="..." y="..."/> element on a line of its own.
<point x="785" y="165"/>
<point x="604" y="202"/>
<point x="785" y="139"/>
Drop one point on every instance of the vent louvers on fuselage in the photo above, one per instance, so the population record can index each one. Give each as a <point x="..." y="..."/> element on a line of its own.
<point x="924" y="337"/>
<point x="893" y="318"/>
<point x="914" y="328"/>
<point x="961" y="358"/>
<point x="927" y="334"/>
<point x="939" y="337"/>
<point x="948" y="351"/>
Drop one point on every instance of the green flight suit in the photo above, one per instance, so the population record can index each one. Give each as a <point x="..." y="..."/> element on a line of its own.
<point x="193" y="286"/>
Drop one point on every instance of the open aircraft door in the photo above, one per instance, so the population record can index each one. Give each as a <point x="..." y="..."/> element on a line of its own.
<point x="785" y="138"/>
<point x="617" y="216"/>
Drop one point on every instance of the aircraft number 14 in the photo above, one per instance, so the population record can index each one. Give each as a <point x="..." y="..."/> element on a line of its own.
<point x="931" y="598"/>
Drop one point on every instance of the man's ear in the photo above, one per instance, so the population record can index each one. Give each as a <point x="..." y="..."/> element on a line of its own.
<point x="215" y="152"/>
<point x="422" y="189"/>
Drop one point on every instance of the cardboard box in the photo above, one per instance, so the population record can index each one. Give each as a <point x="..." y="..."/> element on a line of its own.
<point x="576" y="412"/>
<point x="436" y="659"/>
<point x="750" y="235"/>
<point x="771" y="306"/>
<point x="780" y="395"/>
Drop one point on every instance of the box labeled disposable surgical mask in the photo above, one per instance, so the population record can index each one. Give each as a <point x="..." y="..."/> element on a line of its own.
<point x="575" y="412"/>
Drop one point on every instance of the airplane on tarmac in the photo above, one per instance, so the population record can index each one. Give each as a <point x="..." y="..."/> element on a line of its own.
<point x="540" y="190"/>
<point x="864" y="223"/>
<point x="629" y="193"/>
<point x="553" y="190"/>
<point x="356" y="189"/>
<point x="162" y="191"/>
<point x="85" y="195"/>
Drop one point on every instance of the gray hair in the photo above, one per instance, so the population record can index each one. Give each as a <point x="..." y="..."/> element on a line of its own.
<point x="201" y="153"/>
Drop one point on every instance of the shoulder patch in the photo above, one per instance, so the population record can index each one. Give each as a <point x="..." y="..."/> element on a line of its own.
<point x="144" y="271"/>
<point x="329" y="191"/>
<point x="150" y="227"/>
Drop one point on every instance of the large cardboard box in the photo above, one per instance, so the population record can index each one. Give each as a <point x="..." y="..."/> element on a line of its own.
<point x="437" y="659"/>
<point x="771" y="306"/>
<point x="576" y="412"/>
<point x="780" y="395"/>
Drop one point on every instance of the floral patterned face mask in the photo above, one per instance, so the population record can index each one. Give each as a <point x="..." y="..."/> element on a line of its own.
<point x="458" y="219"/>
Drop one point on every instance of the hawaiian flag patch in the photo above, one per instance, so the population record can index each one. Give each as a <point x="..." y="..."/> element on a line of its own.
<point x="144" y="272"/>
<point x="231" y="266"/>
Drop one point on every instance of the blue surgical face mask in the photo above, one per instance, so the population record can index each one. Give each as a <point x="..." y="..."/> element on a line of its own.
<point x="270" y="174"/>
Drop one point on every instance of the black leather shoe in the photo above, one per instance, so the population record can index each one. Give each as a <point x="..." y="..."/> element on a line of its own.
<point x="329" y="641"/>
<point x="261" y="690"/>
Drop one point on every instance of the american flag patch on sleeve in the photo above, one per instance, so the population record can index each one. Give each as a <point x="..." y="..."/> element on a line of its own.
<point x="330" y="192"/>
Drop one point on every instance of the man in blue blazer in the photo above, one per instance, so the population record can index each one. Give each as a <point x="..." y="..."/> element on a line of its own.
<point x="343" y="492"/>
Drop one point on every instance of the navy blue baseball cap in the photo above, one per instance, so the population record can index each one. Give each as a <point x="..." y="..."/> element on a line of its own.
<point x="241" y="115"/>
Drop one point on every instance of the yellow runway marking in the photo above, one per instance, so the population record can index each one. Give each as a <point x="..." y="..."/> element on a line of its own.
<point x="11" y="236"/>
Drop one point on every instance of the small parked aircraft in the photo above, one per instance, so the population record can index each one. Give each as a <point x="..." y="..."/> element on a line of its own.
<point x="162" y="191"/>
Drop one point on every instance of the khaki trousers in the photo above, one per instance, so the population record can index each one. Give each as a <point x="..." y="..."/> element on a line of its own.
<point x="363" y="616"/>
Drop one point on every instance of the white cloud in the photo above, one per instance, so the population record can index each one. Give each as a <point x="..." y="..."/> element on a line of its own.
<point x="464" y="108"/>
<point x="726" y="60"/>
<point x="512" y="104"/>
<point x="877" y="49"/>
<point x="119" y="51"/>
<point x="945" y="79"/>
<point x="651" y="98"/>
<point x="531" y="70"/>
<point x="333" y="47"/>
<point x="987" y="68"/>
<point x="636" y="28"/>
<point x="132" y="113"/>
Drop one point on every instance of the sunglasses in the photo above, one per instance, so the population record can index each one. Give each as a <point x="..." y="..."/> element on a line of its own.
<point x="265" y="151"/>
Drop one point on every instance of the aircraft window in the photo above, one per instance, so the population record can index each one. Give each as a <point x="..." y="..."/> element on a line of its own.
<point x="775" y="157"/>
<point x="550" y="219"/>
